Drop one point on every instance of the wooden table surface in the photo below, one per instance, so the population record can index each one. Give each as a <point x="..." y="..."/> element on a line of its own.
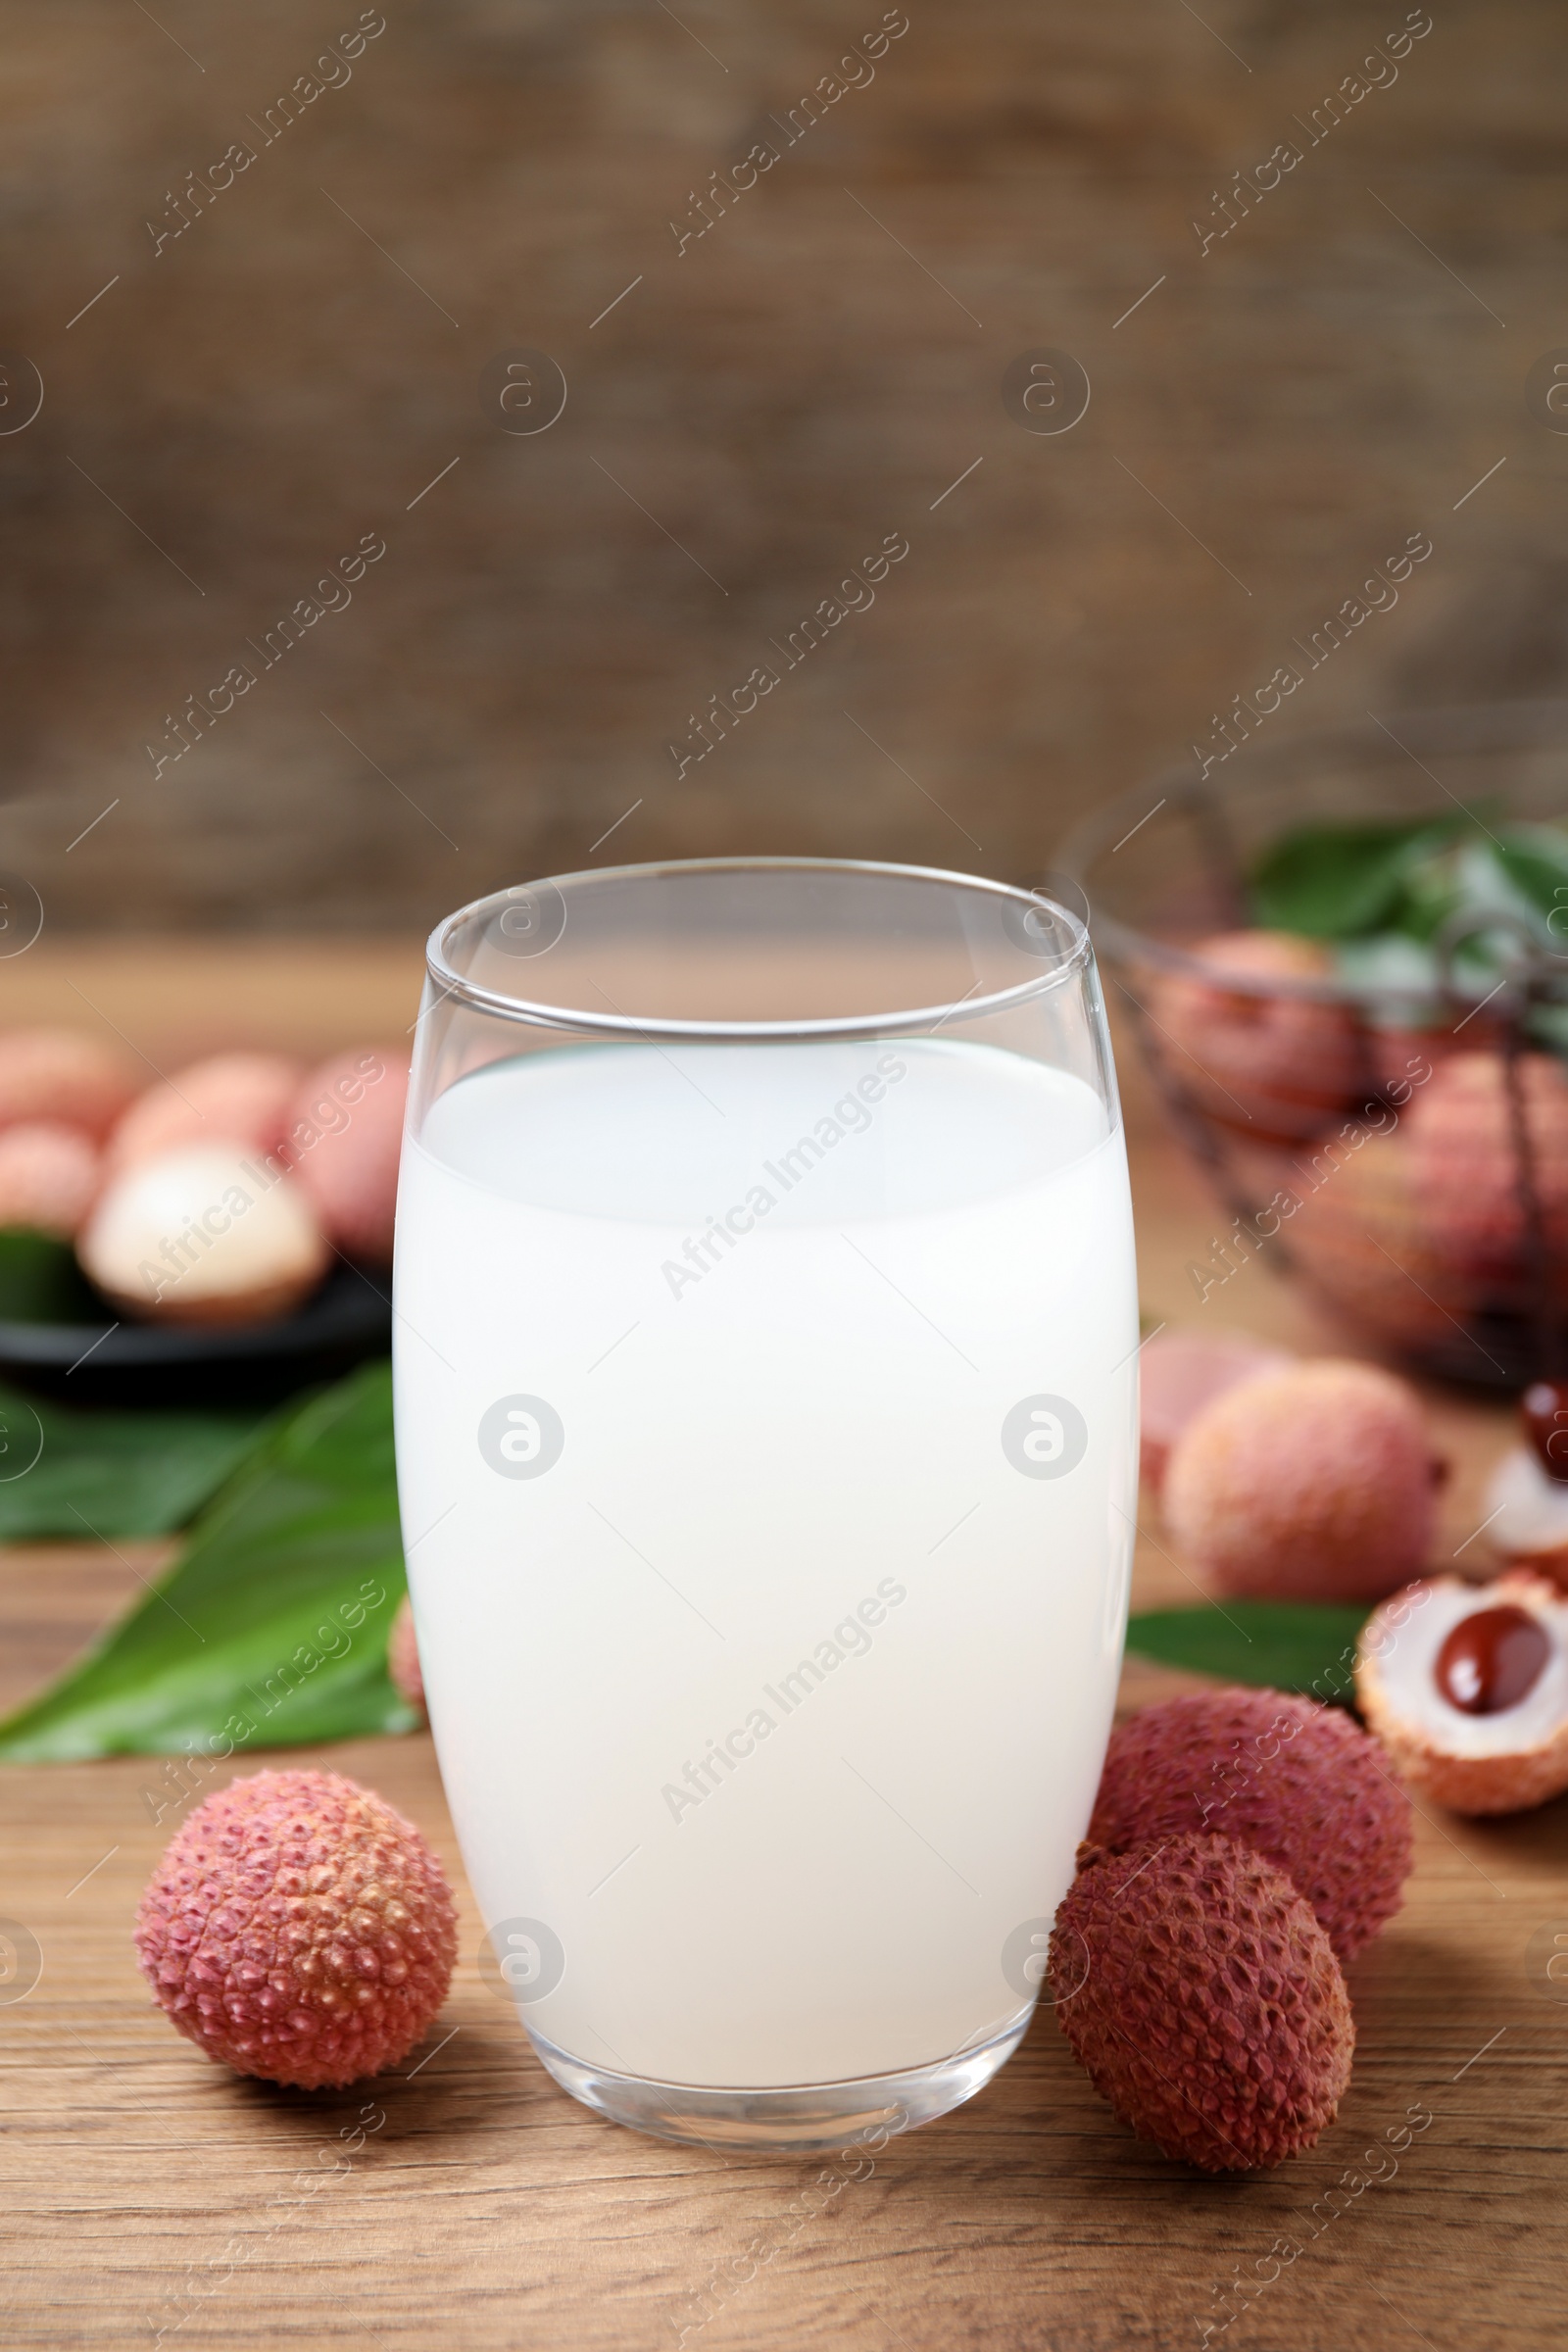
<point x="150" y="2195"/>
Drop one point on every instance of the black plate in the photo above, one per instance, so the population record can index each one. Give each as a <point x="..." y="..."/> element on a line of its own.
<point x="348" y="1320"/>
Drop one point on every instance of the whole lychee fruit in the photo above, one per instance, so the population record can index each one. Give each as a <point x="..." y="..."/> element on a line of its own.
<point x="61" y="1075"/>
<point x="1361" y="1235"/>
<point x="1314" y="1483"/>
<point x="48" y="1176"/>
<point x="344" y="1135"/>
<point x="1298" y="1783"/>
<point x="230" y="1098"/>
<point x="1204" y="2000"/>
<point x="1465" y="1168"/>
<point x="1258" y="1055"/>
<point x="298" y="1929"/>
<point x="403" y="1667"/>
<point x="1179" y="1372"/>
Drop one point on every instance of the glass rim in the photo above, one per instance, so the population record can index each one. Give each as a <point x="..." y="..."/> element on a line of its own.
<point x="533" y="1014"/>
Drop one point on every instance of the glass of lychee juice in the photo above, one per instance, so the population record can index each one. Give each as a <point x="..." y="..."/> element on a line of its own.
<point x="766" y="1401"/>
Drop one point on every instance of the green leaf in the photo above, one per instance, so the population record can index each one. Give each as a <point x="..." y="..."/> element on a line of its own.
<point x="1332" y="881"/>
<point x="108" y="1473"/>
<point x="40" y="1281"/>
<point x="270" y="1628"/>
<point x="1278" y="1644"/>
<point x="1342" y="881"/>
<point x="1535" y="858"/>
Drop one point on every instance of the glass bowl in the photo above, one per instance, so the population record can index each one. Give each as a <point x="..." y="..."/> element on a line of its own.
<point x="1390" y="1123"/>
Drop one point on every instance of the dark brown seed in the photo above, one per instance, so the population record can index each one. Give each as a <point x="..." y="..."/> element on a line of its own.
<point x="1493" y="1660"/>
<point x="1545" y="1406"/>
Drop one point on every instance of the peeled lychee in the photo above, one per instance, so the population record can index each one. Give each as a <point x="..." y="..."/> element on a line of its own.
<point x="1257" y="1056"/>
<point x="1298" y="1783"/>
<point x="1314" y="1483"/>
<point x="204" y="1235"/>
<point x="61" y="1076"/>
<point x="48" y="1176"/>
<point x="1179" y="1372"/>
<point x="403" y="1657"/>
<point x="298" y="1929"/>
<point x="1528" y="1512"/>
<point x="245" y="1097"/>
<point x="1204" y="2000"/>
<point x="344" y="1135"/>
<point x="1467" y="1688"/>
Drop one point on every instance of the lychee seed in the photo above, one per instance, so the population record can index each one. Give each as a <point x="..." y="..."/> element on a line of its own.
<point x="1214" y="2016"/>
<point x="1299" y="1784"/>
<point x="299" y="1928"/>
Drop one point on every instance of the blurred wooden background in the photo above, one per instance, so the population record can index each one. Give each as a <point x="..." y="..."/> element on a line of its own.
<point x="230" y="409"/>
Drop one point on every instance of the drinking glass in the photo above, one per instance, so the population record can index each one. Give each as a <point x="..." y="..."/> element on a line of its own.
<point x="766" y="1399"/>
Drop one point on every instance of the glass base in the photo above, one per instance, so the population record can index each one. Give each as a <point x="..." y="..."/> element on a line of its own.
<point x="797" y="2119"/>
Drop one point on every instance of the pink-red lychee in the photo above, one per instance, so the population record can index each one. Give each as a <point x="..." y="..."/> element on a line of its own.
<point x="1361" y="1235"/>
<point x="1179" y="1372"/>
<point x="48" y="1176"/>
<point x="228" y="1099"/>
<point x="1315" y="1484"/>
<point x="1256" y="1056"/>
<point x="1298" y="1783"/>
<point x="61" y="1075"/>
<point x="403" y="1667"/>
<point x="1465" y="1163"/>
<point x="1204" y="2000"/>
<point x="345" y="1134"/>
<point x="299" y="1928"/>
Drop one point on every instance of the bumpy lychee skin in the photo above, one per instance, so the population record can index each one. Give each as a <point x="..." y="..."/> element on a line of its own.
<point x="1298" y="1783"/>
<point x="1204" y="2000"/>
<point x="239" y="1097"/>
<point x="403" y="1667"/>
<point x="1181" y="1371"/>
<point x="1465" y="1161"/>
<point x="1314" y="1483"/>
<point x="1257" y="1056"/>
<point x="345" y="1137"/>
<point x="48" y="1176"/>
<point x="61" y="1075"/>
<point x="298" y="1929"/>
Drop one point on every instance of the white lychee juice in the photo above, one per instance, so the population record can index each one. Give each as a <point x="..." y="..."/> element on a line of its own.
<point x="766" y="1422"/>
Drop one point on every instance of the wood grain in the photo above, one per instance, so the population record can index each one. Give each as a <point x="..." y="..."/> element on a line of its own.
<point x="145" y="2190"/>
